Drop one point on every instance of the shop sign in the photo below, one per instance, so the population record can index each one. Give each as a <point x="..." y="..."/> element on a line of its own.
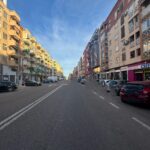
<point x="134" y="67"/>
<point x="124" y="68"/>
<point x="143" y="66"/>
<point x="97" y="70"/>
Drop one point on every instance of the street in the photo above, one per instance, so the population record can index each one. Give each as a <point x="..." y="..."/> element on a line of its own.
<point x="70" y="116"/>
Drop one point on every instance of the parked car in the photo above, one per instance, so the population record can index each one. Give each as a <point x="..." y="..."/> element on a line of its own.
<point x="136" y="92"/>
<point x="79" y="79"/>
<point x="46" y="81"/>
<point x="7" y="86"/>
<point x="104" y="82"/>
<point x="83" y="81"/>
<point x="32" y="83"/>
<point x="118" y="87"/>
<point x="111" y="85"/>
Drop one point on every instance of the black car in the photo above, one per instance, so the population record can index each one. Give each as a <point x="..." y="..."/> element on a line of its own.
<point x="7" y="86"/>
<point x="32" y="83"/>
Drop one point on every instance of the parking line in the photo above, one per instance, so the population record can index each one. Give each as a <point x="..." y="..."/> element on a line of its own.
<point x="141" y="123"/>
<point x="21" y="112"/>
<point x="114" y="105"/>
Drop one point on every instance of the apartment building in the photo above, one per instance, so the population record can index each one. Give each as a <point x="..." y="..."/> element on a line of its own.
<point x="21" y="56"/>
<point x="122" y="42"/>
<point x="103" y="48"/>
<point x="56" y="69"/>
<point x="145" y="36"/>
<point x="94" y="53"/>
<point x="10" y="36"/>
<point x="86" y="61"/>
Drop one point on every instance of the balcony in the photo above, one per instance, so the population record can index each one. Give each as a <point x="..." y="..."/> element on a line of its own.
<point x="14" y="24"/>
<point x="15" y="16"/>
<point x="13" y="43"/>
<point x="145" y="11"/>
<point x="12" y="53"/>
<point x="13" y="64"/>
<point x="26" y="42"/>
<point x="32" y="53"/>
<point x="14" y="34"/>
<point x="33" y="40"/>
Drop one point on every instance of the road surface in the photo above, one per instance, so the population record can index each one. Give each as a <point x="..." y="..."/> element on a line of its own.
<point x="71" y="116"/>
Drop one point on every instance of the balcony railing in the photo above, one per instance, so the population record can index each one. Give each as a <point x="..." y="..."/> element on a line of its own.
<point x="12" y="43"/>
<point x="14" y="34"/>
<point x="14" y="23"/>
<point x="14" y="15"/>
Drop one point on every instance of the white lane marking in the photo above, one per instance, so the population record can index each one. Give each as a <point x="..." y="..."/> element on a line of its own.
<point x="21" y="112"/>
<point x="50" y="85"/>
<point x="95" y="93"/>
<point x="141" y="123"/>
<point x="101" y="97"/>
<point x="114" y="105"/>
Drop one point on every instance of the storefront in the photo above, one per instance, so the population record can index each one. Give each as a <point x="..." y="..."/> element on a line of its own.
<point x="146" y="70"/>
<point x="96" y="72"/>
<point x="139" y="72"/>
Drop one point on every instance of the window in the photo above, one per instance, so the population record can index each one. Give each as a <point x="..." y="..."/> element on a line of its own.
<point x="5" y="25"/>
<point x="138" y="52"/>
<point x="5" y="15"/>
<point x="123" y="56"/>
<point x="123" y="32"/>
<point x="146" y="24"/>
<point x="131" y="41"/>
<point x="4" y="36"/>
<point x="132" y="54"/>
<point x="136" y="21"/>
<point x="131" y="26"/>
<point x="4" y="47"/>
<point x="122" y="20"/>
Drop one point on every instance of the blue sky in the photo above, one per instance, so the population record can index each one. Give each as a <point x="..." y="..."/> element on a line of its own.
<point x="63" y="27"/>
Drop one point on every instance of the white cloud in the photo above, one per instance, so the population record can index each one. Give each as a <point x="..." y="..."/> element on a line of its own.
<point x="65" y="44"/>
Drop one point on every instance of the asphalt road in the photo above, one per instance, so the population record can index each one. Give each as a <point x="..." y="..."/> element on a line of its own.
<point x="71" y="116"/>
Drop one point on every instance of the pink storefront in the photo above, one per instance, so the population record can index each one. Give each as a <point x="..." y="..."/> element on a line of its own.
<point x="137" y="71"/>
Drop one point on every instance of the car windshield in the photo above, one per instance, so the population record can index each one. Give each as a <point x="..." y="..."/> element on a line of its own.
<point x="74" y="74"/>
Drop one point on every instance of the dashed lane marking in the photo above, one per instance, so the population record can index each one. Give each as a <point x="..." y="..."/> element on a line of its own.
<point x="95" y="93"/>
<point x="114" y="105"/>
<point x="141" y="123"/>
<point x="101" y="97"/>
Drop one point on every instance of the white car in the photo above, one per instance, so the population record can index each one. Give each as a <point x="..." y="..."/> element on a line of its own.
<point x="105" y="82"/>
<point x="83" y="81"/>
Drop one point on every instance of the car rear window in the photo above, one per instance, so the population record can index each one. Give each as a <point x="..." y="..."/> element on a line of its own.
<point x="134" y="87"/>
